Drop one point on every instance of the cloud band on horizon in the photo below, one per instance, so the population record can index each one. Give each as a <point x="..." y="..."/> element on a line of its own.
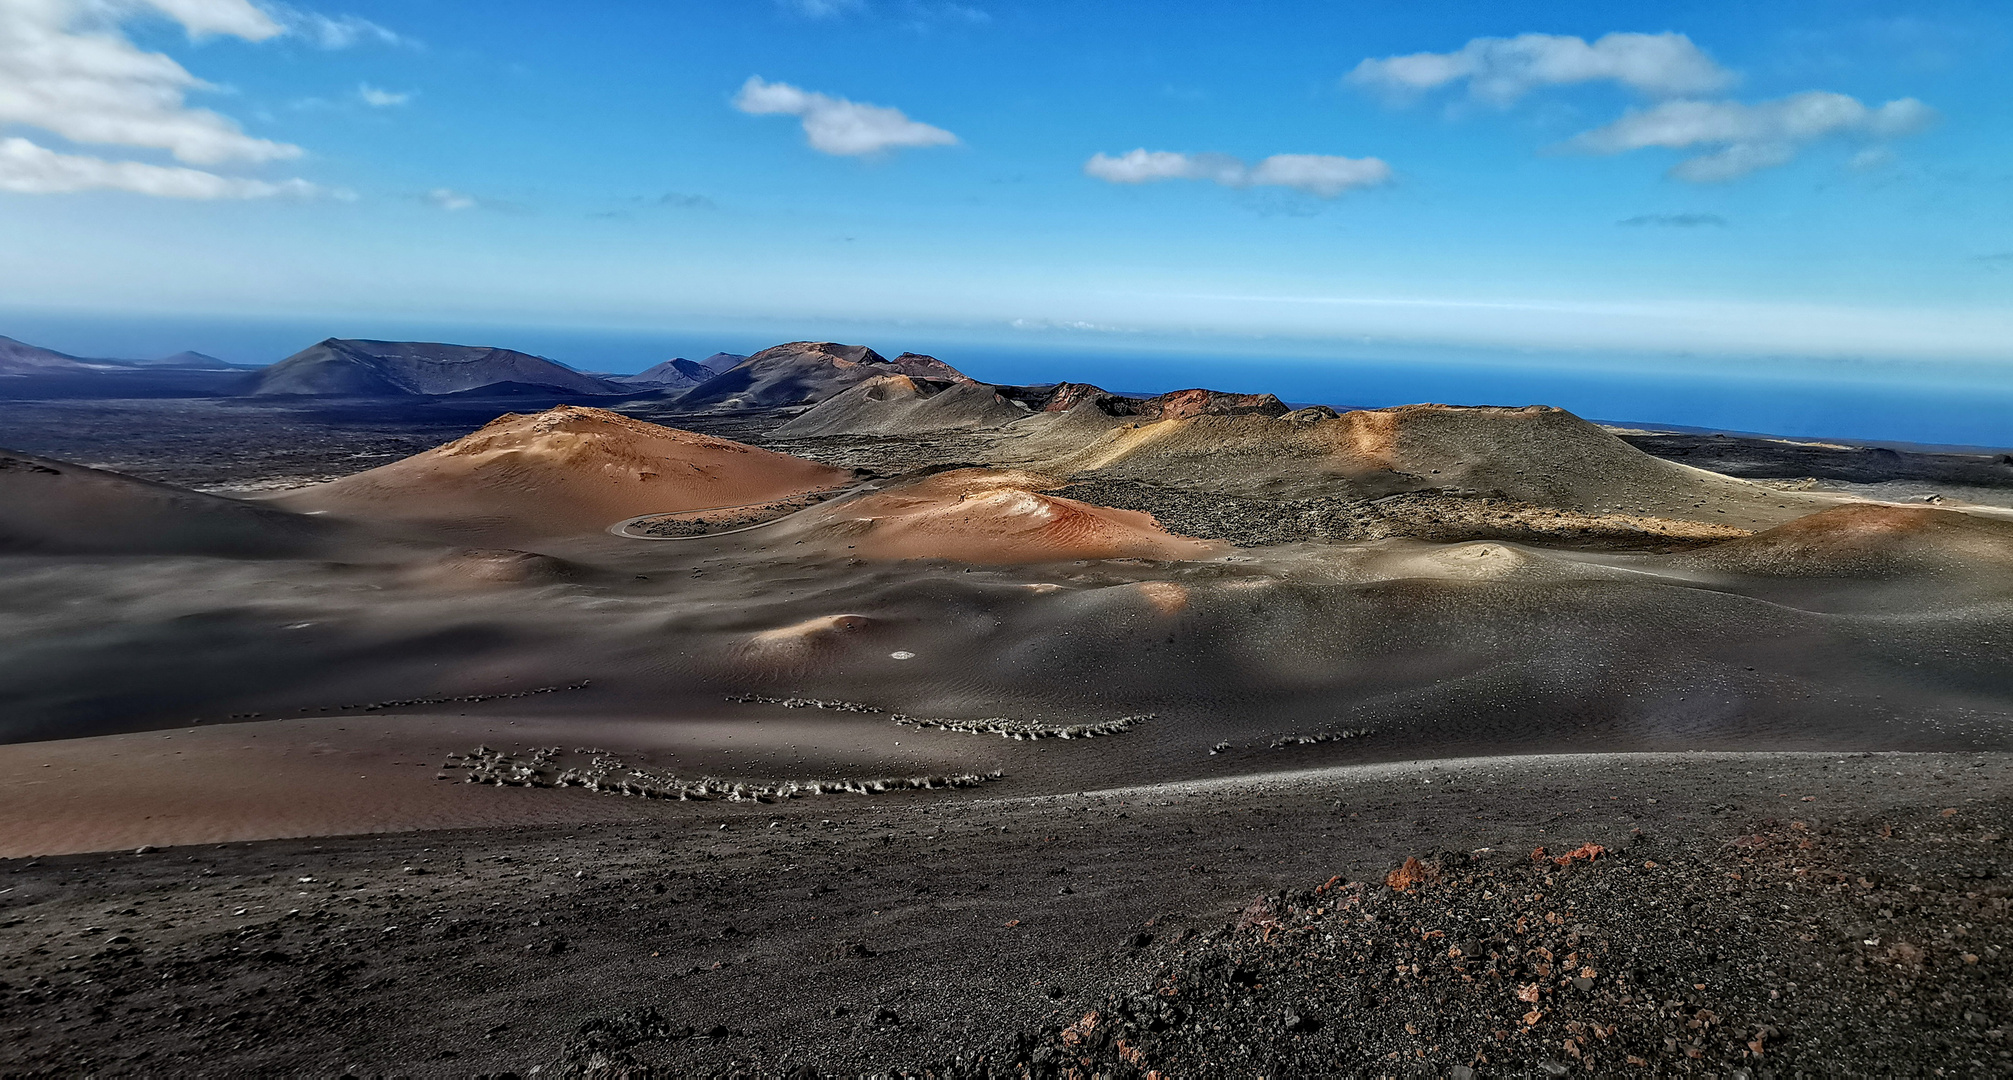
<point x="1321" y="175"/>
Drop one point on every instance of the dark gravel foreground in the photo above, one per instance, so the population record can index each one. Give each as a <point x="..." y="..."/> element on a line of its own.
<point x="1779" y="914"/>
<point x="1874" y="946"/>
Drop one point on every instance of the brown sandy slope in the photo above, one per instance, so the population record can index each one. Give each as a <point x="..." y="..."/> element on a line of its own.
<point x="1537" y="455"/>
<point x="986" y="516"/>
<point x="1874" y="539"/>
<point x="55" y="507"/>
<point x="901" y="405"/>
<point x="564" y="471"/>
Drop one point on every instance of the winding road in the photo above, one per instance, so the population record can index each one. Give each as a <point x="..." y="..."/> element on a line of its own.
<point x="622" y="528"/>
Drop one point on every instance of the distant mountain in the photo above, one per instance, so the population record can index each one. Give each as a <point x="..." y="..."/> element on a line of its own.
<point x="679" y="373"/>
<point x="21" y="358"/>
<point x="671" y="374"/>
<point x="356" y="368"/>
<point x="918" y="366"/>
<point x="190" y="360"/>
<point x="806" y="372"/>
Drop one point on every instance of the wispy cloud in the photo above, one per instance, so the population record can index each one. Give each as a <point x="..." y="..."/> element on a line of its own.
<point x="822" y="9"/>
<point x="685" y="202"/>
<point x="1316" y="174"/>
<point x="1675" y="221"/>
<point x="1501" y="70"/>
<point x="1741" y="138"/>
<point x="451" y="200"/>
<point x="836" y="125"/>
<point x="918" y="14"/>
<point x="333" y="32"/>
<point x="381" y="99"/>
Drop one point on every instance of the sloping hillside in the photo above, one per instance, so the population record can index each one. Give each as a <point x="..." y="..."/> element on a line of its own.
<point x="1537" y="455"/>
<point x="55" y="507"/>
<point x="901" y="405"/>
<point x="564" y="471"/>
<point x="806" y="372"/>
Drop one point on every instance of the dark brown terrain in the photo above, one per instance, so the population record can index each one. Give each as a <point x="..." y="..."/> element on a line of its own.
<point x="924" y="727"/>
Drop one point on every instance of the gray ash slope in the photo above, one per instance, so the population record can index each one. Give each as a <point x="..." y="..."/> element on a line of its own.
<point x="53" y="507"/>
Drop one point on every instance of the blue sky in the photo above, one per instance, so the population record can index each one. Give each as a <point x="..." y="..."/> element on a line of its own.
<point x="1815" y="187"/>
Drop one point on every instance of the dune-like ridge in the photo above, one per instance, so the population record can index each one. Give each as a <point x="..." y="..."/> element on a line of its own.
<point x="1868" y="539"/>
<point x="56" y="507"/>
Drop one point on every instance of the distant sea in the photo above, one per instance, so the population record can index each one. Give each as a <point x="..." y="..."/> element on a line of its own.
<point x="1922" y="404"/>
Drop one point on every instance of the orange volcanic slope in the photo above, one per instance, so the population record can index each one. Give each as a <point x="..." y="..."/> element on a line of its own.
<point x="564" y="471"/>
<point x="987" y="516"/>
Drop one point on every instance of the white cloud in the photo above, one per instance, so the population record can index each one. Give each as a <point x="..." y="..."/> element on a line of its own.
<point x="29" y="169"/>
<point x="1501" y="70"/>
<point x="328" y="31"/>
<point x="1871" y="158"/>
<point x="65" y="68"/>
<point x="236" y="18"/>
<point x="1316" y="174"/>
<point x="380" y="99"/>
<point x="835" y="125"/>
<point x="822" y="9"/>
<point x="450" y="199"/>
<point x="1741" y="138"/>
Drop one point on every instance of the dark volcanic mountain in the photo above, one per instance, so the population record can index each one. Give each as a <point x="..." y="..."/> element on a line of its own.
<point x="356" y="368"/>
<point x="805" y="372"/>
<point x="671" y="374"/>
<point x="21" y="358"/>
